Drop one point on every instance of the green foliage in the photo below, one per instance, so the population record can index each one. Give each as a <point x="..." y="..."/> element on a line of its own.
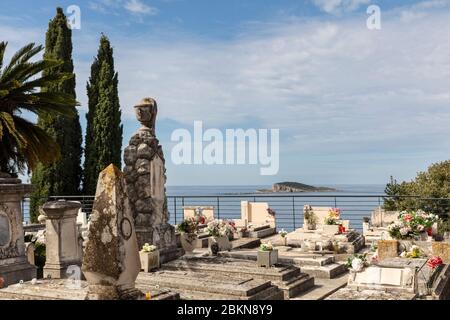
<point x="39" y="254"/>
<point x="104" y="129"/>
<point x="64" y="176"/>
<point x="22" y="143"/>
<point x="433" y="183"/>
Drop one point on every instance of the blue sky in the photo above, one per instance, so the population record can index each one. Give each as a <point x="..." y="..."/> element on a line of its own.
<point x="353" y="105"/>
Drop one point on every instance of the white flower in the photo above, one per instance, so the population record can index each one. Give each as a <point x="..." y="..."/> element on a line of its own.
<point x="404" y="231"/>
<point x="357" y="264"/>
<point x="403" y="254"/>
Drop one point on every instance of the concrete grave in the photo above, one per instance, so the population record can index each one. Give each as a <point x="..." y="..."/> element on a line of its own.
<point x="14" y="264"/>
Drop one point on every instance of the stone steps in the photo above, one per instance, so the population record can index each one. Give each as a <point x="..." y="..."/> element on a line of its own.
<point x="288" y="278"/>
<point x="201" y="285"/>
<point x="312" y="264"/>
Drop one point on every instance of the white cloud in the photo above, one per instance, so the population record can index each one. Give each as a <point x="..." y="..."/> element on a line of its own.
<point x="336" y="90"/>
<point x="138" y="7"/>
<point x="338" y="6"/>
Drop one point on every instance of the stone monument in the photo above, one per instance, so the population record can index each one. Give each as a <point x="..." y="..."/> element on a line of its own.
<point x="62" y="238"/>
<point x="145" y="176"/>
<point x="111" y="260"/>
<point x="14" y="264"/>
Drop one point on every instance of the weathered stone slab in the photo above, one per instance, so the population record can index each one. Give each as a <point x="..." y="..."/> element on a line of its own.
<point x="14" y="264"/>
<point x="63" y="289"/>
<point x="387" y="249"/>
<point x="441" y="249"/>
<point x="287" y="278"/>
<point x="111" y="261"/>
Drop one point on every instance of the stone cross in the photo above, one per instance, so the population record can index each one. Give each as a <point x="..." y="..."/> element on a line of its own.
<point x="14" y="265"/>
<point x="111" y="260"/>
<point x="62" y="238"/>
<point x="145" y="176"/>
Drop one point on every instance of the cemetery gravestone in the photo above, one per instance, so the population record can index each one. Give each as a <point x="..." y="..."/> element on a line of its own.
<point x="111" y="260"/>
<point x="14" y="264"/>
<point x="145" y="176"/>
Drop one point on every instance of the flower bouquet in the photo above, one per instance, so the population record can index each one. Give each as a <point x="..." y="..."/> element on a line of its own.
<point x="413" y="253"/>
<point x="267" y="255"/>
<point x="357" y="262"/>
<point x="188" y="229"/>
<point x="332" y="222"/>
<point x="412" y="225"/>
<point x="310" y="217"/>
<point x="149" y="256"/>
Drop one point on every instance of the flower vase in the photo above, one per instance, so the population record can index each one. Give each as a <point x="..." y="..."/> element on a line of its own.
<point x="267" y="258"/>
<point x="223" y="243"/>
<point x="188" y="242"/>
<point x="149" y="260"/>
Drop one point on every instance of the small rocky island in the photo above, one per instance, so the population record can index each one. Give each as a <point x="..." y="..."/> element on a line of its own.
<point x="295" y="187"/>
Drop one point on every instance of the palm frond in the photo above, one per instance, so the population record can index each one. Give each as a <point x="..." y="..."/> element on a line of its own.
<point x="3" y="46"/>
<point x="22" y="56"/>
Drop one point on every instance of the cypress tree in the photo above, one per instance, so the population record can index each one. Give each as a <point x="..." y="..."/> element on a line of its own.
<point x="64" y="176"/>
<point x="104" y="129"/>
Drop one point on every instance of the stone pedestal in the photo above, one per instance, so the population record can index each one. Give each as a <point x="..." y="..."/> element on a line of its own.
<point x="62" y="238"/>
<point x="387" y="249"/>
<point x="14" y="264"/>
<point x="145" y="176"/>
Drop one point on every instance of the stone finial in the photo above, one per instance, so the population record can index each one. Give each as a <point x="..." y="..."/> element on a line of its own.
<point x="146" y="112"/>
<point x="111" y="260"/>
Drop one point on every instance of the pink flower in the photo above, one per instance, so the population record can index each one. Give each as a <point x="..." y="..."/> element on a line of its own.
<point x="434" y="261"/>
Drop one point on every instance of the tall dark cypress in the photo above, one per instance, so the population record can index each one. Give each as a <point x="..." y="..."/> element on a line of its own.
<point x="64" y="176"/>
<point x="104" y="129"/>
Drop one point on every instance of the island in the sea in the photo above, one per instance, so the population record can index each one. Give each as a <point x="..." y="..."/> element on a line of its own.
<point x="295" y="187"/>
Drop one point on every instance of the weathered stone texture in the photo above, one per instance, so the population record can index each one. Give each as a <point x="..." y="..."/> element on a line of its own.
<point x="145" y="177"/>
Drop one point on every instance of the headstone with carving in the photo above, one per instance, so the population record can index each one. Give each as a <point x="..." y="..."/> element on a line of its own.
<point x="14" y="264"/>
<point x="145" y="176"/>
<point x="111" y="260"/>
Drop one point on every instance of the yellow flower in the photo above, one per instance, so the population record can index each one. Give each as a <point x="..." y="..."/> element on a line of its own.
<point x="148" y="296"/>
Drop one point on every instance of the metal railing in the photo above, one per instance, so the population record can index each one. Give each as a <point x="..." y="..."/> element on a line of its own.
<point x="288" y="208"/>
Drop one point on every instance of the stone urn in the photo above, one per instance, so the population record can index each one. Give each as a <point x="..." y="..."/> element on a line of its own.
<point x="188" y="241"/>
<point x="267" y="258"/>
<point x="330" y="230"/>
<point x="223" y="243"/>
<point x="149" y="260"/>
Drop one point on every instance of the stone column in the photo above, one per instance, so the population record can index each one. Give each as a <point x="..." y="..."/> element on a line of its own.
<point x="145" y="176"/>
<point x="14" y="265"/>
<point x="62" y="238"/>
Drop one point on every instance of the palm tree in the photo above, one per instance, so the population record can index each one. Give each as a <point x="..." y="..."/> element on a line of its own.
<point x="22" y="143"/>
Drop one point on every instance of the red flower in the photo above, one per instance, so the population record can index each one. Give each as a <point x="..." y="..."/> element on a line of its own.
<point x="202" y="220"/>
<point x="341" y="229"/>
<point x="408" y="217"/>
<point x="433" y="262"/>
<point x="430" y="231"/>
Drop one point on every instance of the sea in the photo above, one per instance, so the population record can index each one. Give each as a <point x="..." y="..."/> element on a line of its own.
<point x="356" y="201"/>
